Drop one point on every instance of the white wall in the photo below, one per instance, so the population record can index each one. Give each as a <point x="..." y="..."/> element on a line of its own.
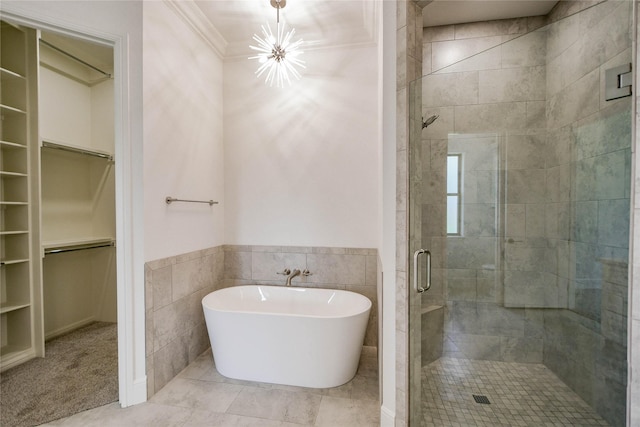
<point x="183" y="154"/>
<point x="301" y="162"/>
<point x="65" y="107"/>
<point x="102" y="130"/>
<point x="77" y="192"/>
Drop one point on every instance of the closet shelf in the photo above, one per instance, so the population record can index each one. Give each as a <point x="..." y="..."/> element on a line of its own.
<point x="8" y="109"/>
<point x="8" y="74"/>
<point x="77" y="245"/>
<point x="7" y="144"/>
<point x="6" y="307"/>
<point x="11" y="352"/>
<point x="8" y="203"/>
<point x="6" y="233"/>
<point x="76" y="149"/>
<point x="6" y="174"/>
<point x="13" y="261"/>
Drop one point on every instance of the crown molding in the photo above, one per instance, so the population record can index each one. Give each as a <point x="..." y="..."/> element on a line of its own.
<point x="193" y="16"/>
<point x="357" y="29"/>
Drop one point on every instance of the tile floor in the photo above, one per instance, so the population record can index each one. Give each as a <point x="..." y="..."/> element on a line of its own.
<point x="519" y="395"/>
<point x="199" y="396"/>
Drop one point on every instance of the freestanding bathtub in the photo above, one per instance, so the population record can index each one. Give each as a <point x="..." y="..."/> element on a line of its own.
<point x="287" y="335"/>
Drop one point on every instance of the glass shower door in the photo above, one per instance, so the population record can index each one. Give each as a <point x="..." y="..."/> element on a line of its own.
<point x="520" y="178"/>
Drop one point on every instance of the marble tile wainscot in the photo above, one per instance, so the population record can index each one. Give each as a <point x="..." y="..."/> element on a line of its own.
<point x="352" y="269"/>
<point x="175" y="330"/>
<point x="176" y="333"/>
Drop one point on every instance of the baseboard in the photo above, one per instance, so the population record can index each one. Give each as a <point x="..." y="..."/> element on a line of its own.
<point x="139" y="391"/>
<point x="72" y="327"/>
<point x="17" y="358"/>
<point x="134" y="396"/>
<point x="387" y="417"/>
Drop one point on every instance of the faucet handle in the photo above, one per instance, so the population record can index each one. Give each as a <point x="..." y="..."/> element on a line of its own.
<point x="306" y="272"/>
<point x="284" y="272"/>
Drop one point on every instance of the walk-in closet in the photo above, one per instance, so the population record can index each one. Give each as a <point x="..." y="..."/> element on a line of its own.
<point x="77" y="184"/>
<point x="57" y="207"/>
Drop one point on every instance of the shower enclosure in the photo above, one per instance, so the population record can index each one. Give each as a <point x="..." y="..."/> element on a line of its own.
<point x="519" y="192"/>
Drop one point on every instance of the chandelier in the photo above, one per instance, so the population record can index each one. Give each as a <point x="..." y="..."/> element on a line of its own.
<point x="277" y="55"/>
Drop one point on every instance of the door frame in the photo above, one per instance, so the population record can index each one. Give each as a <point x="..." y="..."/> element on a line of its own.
<point x="128" y="200"/>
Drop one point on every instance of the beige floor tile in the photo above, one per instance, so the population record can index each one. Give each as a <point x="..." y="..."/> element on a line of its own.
<point x="280" y="405"/>
<point x="197" y="394"/>
<point x="214" y="419"/>
<point x="339" y="412"/>
<point x="364" y="388"/>
<point x="519" y="394"/>
<point x="146" y="414"/>
<point x="200" y="396"/>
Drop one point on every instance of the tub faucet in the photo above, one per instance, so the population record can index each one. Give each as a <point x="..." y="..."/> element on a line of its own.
<point x="293" y="274"/>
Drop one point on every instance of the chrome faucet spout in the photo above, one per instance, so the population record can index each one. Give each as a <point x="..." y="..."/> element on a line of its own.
<point x="293" y="274"/>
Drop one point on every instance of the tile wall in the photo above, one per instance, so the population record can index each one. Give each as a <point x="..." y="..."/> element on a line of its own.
<point x="176" y="331"/>
<point x="490" y="100"/>
<point x="562" y="226"/>
<point x="332" y="268"/>
<point x="634" y="269"/>
<point x="586" y="346"/>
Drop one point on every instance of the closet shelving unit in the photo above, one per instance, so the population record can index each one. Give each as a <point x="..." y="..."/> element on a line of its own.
<point x="82" y="243"/>
<point x="42" y="296"/>
<point x="76" y="244"/>
<point x="77" y="185"/>
<point x="19" y="302"/>
<point x="75" y="237"/>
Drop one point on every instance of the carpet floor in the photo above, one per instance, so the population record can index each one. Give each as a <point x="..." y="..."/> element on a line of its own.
<point x="79" y="372"/>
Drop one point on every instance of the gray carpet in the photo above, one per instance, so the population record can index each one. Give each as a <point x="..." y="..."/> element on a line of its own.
<point x="79" y="372"/>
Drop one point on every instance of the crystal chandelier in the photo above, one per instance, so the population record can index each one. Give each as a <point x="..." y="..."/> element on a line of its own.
<point x="277" y="54"/>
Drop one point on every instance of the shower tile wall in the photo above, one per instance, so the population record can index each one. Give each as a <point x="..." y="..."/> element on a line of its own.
<point x="586" y="346"/>
<point x="563" y="225"/>
<point x="634" y="271"/>
<point x="501" y="88"/>
<point x="176" y="332"/>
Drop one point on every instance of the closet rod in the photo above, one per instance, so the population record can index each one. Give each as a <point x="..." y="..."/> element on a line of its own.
<point x="49" y="144"/>
<point x="75" y="58"/>
<point x="79" y="247"/>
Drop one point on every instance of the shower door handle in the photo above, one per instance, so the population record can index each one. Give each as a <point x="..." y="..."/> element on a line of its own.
<point x="416" y="256"/>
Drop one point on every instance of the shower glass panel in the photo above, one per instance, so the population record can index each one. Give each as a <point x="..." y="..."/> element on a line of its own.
<point x="520" y="189"/>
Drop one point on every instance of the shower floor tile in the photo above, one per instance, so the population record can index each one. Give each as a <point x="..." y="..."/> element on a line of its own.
<point x="527" y="395"/>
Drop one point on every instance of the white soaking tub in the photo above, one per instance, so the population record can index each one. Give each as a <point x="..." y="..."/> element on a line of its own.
<point x="287" y="335"/>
